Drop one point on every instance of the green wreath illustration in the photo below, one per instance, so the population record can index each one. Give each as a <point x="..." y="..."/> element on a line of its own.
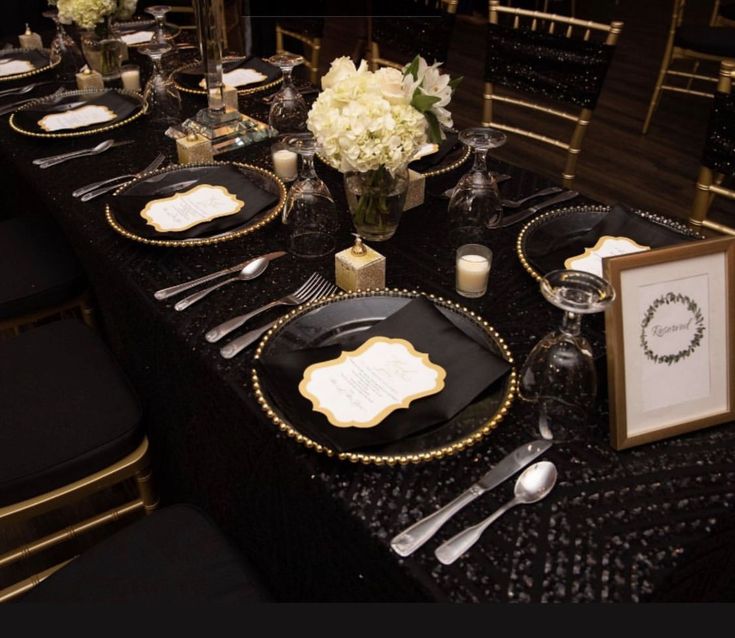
<point x="693" y="308"/>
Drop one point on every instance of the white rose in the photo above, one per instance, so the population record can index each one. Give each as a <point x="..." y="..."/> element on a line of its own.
<point x="395" y="88"/>
<point x="340" y="70"/>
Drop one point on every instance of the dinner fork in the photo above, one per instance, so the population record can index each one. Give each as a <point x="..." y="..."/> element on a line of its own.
<point x="236" y="346"/>
<point x="301" y="295"/>
<point x="18" y="91"/>
<point x="49" y="99"/>
<point x="99" y="188"/>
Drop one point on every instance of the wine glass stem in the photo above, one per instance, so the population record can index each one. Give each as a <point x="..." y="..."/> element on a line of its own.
<point x="480" y="160"/>
<point x="287" y="77"/>
<point x="307" y="166"/>
<point x="571" y="323"/>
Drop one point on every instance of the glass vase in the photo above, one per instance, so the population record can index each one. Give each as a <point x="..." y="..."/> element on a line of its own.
<point x="104" y="51"/>
<point x="376" y="199"/>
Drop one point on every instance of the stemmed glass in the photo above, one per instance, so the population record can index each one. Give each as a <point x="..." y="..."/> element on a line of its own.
<point x="64" y="48"/>
<point x="159" y="11"/>
<point x="559" y="373"/>
<point x="310" y="212"/>
<point x="288" y="109"/>
<point x="164" y="99"/>
<point x="475" y="204"/>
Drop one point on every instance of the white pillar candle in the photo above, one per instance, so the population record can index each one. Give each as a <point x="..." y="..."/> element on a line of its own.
<point x="285" y="164"/>
<point x="472" y="275"/>
<point x="131" y="79"/>
<point x="89" y="79"/>
<point x="30" y="40"/>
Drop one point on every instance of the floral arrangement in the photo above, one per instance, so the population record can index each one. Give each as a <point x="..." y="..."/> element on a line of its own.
<point x="368" y="120"/>
<point x="89" y="13"/>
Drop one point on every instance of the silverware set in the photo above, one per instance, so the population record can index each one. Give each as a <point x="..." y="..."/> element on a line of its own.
<point x="51" y="99"/>
<point x="53" y="160"/>
<point x="532" y="485"/>
<point x="90" y="191"/>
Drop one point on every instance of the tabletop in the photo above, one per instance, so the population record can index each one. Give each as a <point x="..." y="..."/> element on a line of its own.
<point x="614" y="527"/>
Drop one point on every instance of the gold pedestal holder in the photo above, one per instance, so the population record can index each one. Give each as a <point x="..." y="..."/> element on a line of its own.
<point x="225" y="129"/>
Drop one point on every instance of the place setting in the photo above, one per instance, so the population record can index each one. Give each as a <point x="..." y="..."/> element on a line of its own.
<point x="17" y="64"/>
<point x="247" y="74"/>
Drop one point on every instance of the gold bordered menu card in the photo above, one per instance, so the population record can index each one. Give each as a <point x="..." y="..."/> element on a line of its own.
<point x="76" y="112"/>
<point x="194" y="201"/>
<point x="406" y="375"/>
<point x="552" y="242"/>
<point x="19" y="61"/>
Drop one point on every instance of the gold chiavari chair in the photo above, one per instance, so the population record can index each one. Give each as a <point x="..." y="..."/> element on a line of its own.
<point x="690" y="43"/>
<point x="308" y="31"/>
<point x="718" y="159"/>
<point x="556" y="57"/>
<point x="182" y="16"/>
<point x="548" y="6"/>
<point x="723" y="14"/>
<point x="425" y="27"/>
<point x="70" y="428"/>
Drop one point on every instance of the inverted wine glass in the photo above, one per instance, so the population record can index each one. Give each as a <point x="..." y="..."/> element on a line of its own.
<point x="310" y="212"/>
<point x="65" y="49"/>
<point x="288" y="110"/>
<point x="559" y="373"/>
<point x="164" y="99"/>
<point x="475" y="205"/>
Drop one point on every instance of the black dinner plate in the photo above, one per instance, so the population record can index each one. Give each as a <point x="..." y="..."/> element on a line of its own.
<point x="261" y="191"/>
<point x="126" y="105"/>
<point x="188" y="77"/>
<point x="40" y="59"/>
<point x="335" y="321"/>
<point x="547" y="241"/>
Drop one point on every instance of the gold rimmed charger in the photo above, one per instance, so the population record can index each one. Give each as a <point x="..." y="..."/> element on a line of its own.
<point x="138" y="110"/>
<point x="595" y="213"/>
<point x="246" y="228"/>
<point x="26" y="74"/>
<point x="246" y="90"/>
<point x="473" y="423"/>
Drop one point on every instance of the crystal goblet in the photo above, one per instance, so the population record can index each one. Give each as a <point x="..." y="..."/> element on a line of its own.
<point x="559" y="373"/>
<point x="475" y="204"/>
<point x="288" y="110"/>
<point x="164" y="99"/>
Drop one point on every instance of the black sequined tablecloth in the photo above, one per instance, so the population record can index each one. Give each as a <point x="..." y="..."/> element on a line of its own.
<point x="614" y="529"/>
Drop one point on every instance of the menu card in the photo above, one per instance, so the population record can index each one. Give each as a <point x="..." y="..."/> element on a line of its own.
<point x="240" y="77"/>
<point x="14" y="67"/>
<point x="182" y="211"/>
<point x="591" y="259"/>
<point x="77" y="118"/>
<point x="137" y="37"/>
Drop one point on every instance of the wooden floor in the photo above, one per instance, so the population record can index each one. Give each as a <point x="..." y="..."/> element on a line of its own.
<point x="656" y="171"/>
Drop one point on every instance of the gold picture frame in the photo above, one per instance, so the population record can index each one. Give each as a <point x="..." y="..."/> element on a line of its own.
<point x="668" y="373"/>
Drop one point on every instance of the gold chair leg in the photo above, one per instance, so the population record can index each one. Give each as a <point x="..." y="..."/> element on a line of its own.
<point x="575" y="147"/>
<point x="695" y="68"/>
<point x="656" y="97"/>
<point x="144" y="481"/>
<point x="702" y="197"/>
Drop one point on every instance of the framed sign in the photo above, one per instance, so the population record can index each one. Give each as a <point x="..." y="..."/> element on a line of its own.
<point x="671" y="340"/>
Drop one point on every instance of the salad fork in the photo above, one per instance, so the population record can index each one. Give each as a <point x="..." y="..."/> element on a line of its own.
<point x="301" y="295"/>
<point x="236" y="346"/>
<point x="90" y="191"/>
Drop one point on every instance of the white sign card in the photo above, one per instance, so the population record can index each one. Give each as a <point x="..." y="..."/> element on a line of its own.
<point x="184" y="210"/>
<point x="77" y="118"/>
<point x="607" y="246"/>
<point x="362" y="387"/>
<point x="14" y="67"/>
<point x="137" y="37"/>
<point x="240" y="77"/>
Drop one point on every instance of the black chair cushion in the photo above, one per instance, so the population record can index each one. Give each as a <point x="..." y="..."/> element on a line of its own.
<point x="66" y="410"/>
<point x="719" y="41"/>
<point x="37" y="267"/>
<point x="175" y="555"/>
<point x="728" y="11"/>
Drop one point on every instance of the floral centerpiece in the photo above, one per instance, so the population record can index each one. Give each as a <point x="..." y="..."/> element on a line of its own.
<point x="102" y="48"/>
<point x="370" y="125"/>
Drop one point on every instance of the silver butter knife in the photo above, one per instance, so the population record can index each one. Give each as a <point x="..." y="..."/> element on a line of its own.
<point x="409" y="540"/>
<point x="509" y="220"/>
<point x="165" y="293"/>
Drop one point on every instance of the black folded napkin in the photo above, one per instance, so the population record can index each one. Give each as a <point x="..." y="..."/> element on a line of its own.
<point x="128" y="205"/>
<point x="122" y="105"/>
<point x="430" y="161"/>
<point x="192" y="76"/>
<point x="470" y="366"/>
<point x="37" y="57"/>
<point x="554" y="241"/>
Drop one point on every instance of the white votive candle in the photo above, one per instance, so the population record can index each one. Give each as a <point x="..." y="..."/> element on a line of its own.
<point x="130" y="77"/>
<point x="285" y="164"/>
<point x="473" y="270"/>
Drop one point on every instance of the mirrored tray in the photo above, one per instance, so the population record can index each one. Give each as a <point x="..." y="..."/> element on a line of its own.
<point x="128" y="27"/>
<point x="39" y="58"/>
<point x="127" y="105"/>
<point x="186" y="177"/>
<point x="187" y="80"/>
<point x="535" y="238"/>
<point x="335" y="319"/>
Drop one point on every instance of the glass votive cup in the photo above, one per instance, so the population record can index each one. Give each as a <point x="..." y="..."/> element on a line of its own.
<point x="473" y="269"/>
<point x="285" y="162"/>
<point x="130" y="77"/>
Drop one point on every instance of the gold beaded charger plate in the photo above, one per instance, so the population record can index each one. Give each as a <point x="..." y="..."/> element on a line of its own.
<point x="36" y="60"/>
<point x="122" y="107"/>
<point x="334" y="320"/>
<point x="259" y="193"/>
<point x="547" y="241"/>
<point x="187" y="78"/>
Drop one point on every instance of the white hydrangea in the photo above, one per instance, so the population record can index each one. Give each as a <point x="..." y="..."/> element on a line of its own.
<point x="364" y="120"/>
<point x="89" y="13"/>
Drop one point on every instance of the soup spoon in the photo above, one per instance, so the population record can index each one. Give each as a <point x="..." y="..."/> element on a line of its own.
<point x="532" y="485"/>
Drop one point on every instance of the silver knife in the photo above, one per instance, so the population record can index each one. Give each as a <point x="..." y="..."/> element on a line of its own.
<point x="173" y="188"/>
<point x="165" y="293"/>
<point x="409" y="540"/>
<point x="509" y="220"/>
